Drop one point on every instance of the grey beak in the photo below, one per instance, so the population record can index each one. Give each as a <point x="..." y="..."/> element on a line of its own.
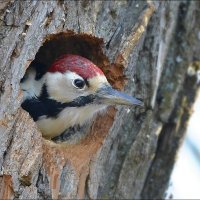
<point x="110" y="96"/>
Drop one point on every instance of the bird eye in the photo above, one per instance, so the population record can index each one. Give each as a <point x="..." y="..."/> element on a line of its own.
<point x="78" y="83"/>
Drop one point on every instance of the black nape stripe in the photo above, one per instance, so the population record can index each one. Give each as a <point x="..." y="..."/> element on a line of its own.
<point x="43" y="105"/>
<point x="40" y="69"/>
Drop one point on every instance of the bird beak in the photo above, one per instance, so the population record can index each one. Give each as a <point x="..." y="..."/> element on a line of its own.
<point x="110" y="96"/>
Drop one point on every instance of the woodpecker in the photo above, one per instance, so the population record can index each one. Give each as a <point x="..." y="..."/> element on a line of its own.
<point x="71" y="92"/>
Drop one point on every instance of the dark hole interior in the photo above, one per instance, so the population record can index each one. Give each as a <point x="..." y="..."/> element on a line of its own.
<point x="71" y="43"/>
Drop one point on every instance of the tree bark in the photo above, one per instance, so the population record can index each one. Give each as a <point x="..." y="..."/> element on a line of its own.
<point x="148" y="49"/>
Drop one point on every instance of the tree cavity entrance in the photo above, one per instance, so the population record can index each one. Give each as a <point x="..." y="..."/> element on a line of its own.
<point x="89" y="47"/>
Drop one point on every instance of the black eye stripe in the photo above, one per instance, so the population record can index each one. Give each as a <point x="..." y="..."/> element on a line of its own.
<point x="79" y="83"/>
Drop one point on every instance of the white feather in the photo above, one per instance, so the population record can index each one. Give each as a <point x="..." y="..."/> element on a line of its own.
<point x="67" y="118"/>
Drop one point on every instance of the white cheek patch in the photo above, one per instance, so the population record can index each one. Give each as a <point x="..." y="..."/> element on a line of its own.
<point x="61" y="88"/>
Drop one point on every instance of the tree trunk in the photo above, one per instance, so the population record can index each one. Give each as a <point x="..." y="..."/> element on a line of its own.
<point x="148" y="49"/>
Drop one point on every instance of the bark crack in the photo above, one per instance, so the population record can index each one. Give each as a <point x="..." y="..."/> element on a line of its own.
<point x="114" y="34"/>
<point x="78" y="17"/>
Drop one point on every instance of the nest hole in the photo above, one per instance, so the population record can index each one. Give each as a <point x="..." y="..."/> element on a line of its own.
<point x="90" y="47"/>
<point x="84" y="45"/>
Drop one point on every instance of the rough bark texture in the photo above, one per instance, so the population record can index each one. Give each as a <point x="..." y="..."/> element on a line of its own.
<point x="149" y="49"/>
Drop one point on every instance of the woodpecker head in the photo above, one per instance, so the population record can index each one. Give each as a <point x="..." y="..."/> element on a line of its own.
<point x="73" y="77"/>
<point x="78" y="89"/>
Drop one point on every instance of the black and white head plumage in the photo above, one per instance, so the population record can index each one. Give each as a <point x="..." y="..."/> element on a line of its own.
<point x="70" y="93"/>
<point x="54" y="98"/>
